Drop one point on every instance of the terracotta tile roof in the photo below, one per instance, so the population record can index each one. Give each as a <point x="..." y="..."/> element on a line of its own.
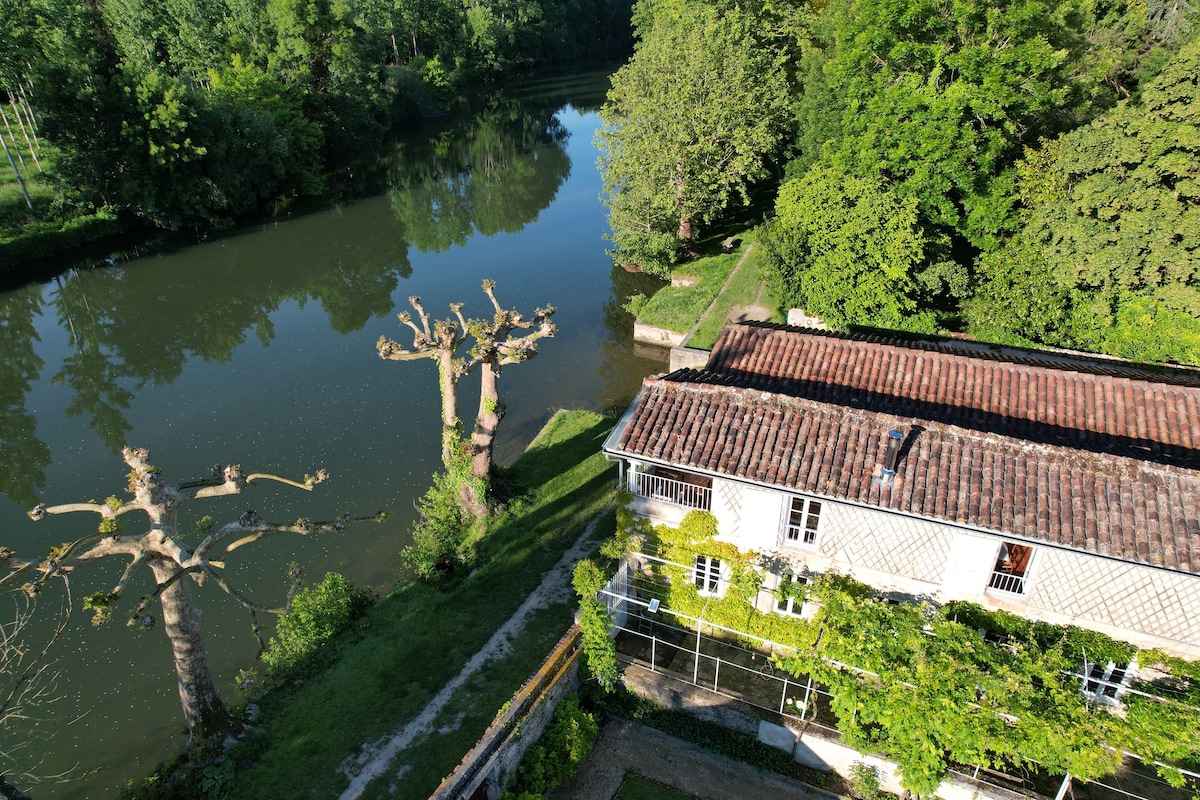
<point x="1095" y="458"/>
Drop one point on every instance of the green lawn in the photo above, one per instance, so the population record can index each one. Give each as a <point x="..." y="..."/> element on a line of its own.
<point x="678" y="307"/>
<point x="745" y="287"/>
<point x="635" y="787"/>
<point x="419" y="637"/>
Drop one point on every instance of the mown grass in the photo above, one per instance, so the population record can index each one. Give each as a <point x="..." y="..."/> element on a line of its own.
<point x="635" y="787"/>
<point x="419" y="637"/>
<point x="744" y="288"/>
<point x="677" y="308"/>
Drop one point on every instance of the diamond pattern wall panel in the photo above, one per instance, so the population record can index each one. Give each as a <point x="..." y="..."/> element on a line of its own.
<point x="1125" y="595"/>
<point x="885" y="542"/>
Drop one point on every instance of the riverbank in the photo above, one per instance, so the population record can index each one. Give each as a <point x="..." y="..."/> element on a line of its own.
<point x="415" y="641"/>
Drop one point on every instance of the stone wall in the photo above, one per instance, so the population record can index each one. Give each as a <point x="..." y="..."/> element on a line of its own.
<point x="492" y="763"/>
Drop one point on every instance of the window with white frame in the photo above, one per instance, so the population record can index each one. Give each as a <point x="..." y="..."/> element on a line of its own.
<point x="1105" y="682"/>
<point x="1011" y="573"/>
<point x="706" y="574"/>
<point x="804" y="518"/>
<point x="789" y="595"/>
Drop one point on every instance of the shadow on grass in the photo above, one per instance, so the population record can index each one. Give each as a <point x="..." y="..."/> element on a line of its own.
<point x="418" y="638"/>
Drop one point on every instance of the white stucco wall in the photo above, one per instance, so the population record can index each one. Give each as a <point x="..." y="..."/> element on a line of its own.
<point x="921" y="558"/>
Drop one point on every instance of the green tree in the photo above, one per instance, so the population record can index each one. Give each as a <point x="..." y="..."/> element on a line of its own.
<point x="1112" y="221"/>
<point x="936" y="97"/>
<point x="688" y="125"/>
<point x="849" y="251"/>
<point x="172" y="563"/>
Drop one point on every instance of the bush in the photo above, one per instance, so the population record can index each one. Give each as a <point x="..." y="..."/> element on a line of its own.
<point x="317" y="615"/>
<point x="555" y="757"/>
<point x="440" y="544"/>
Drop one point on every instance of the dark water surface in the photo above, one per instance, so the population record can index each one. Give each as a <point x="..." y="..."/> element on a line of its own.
<point x="258" y="348"/>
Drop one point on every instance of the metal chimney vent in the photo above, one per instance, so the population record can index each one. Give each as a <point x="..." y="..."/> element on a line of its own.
<point x="891" y="459"/>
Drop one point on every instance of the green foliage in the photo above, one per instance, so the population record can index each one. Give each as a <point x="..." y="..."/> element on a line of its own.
<point x="599" y="650"/>
<point x="317" y="615"/>
<point x="441" y="544"/>
<point x="864" y="781"/>
<point x="925" y="685"/>
<point x="688" y="125"/>
<point x="848" y="250"/>
<point x="560" y="750"/>
<point x="1104" y="260"/>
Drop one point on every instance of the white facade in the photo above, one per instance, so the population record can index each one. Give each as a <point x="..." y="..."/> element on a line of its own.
<point x="937" y="561"/>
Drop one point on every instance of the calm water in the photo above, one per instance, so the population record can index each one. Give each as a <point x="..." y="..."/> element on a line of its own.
<point x="258" y="348"/>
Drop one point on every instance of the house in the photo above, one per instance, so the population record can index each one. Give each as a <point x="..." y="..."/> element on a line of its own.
<point x="1061" y="488"/>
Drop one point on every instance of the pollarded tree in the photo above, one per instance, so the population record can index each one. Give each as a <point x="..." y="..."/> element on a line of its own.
<point x="688" y="125"/>
<point x="495" y="347"/>
<point x="162" y="550"/>
<point x="439" y="341"/>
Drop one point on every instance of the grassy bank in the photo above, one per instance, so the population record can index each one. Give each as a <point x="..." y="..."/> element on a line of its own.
<point x="419" y="637"/>
<point x="677" y="308"/>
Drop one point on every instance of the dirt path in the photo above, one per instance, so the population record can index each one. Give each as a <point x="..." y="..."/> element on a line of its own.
<point x="628" y="747"/>
<point x="554" y="588"/>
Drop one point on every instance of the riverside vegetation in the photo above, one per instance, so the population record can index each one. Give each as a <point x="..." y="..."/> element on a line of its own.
<point x="1021" y="170"/>
<point x="193" y="114"/>
<point x="389" y="662"/>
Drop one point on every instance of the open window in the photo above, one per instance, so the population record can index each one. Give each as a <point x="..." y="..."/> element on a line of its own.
<point x="706" y="574"/>
<point x="1011" y="573"/>
<point x="803" y="522"/>
<point x="672" y="486"/>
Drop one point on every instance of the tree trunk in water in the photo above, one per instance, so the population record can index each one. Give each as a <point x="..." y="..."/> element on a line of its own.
<point x="203" y="710"/>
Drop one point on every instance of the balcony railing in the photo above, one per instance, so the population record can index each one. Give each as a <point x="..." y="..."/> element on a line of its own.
<point x="1007" y="582"/>
<point x="655" y="487"/>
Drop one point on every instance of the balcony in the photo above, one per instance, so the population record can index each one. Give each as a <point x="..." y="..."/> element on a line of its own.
<point x="1007" y="582"/>
<point x="677" y="488"/>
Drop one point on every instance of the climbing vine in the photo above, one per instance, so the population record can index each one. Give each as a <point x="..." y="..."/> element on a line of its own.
<point x="599" y="651"/>
<point x="927" y="685"/>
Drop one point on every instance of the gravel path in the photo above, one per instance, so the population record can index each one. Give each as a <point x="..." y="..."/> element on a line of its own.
<point x="625" y="746"/>
<point x="554" y="588"/>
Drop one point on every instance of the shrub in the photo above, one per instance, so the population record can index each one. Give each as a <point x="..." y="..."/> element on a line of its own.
<point x="563" y="746"/>
<point x="440" y="545"/>
<point x="317" y="615"/>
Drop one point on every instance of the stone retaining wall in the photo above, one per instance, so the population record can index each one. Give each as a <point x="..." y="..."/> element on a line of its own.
<point x="492" y="763"/>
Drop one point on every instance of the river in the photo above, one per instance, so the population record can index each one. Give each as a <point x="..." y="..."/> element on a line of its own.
<point x="257" y="347"/>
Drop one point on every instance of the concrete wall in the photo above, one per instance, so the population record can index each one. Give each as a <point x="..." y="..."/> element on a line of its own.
<point x="650" y="334"/>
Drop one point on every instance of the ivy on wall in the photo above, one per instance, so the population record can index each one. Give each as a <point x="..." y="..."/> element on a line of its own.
<point x="926" y="685"/>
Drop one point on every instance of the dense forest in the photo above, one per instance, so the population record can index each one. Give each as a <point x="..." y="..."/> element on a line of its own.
<point x="1023" y="170"/>
<point x="189" y="113"/>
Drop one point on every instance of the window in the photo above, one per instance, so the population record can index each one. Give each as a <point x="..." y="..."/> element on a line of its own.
<point x="803" y="519"/>
<point x="1105" y="683"/>
<point x="790" y="593"/>
<point x="1012" y="568"/>
<point x="707" y="574"/>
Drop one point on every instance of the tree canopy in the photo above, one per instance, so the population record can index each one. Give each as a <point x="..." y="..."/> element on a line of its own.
<point x="1111" y="231"/>
<point x="688" y="126"/>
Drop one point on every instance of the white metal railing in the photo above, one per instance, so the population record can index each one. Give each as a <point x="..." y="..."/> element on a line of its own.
<point x="656" y="487"/>
<point x="1007" y="582"/>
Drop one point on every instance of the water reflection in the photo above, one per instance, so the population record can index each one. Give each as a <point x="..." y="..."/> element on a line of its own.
<point x="257" y="347"/>
<point x="23" y="456"/>
<point x="492" y="176"/>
